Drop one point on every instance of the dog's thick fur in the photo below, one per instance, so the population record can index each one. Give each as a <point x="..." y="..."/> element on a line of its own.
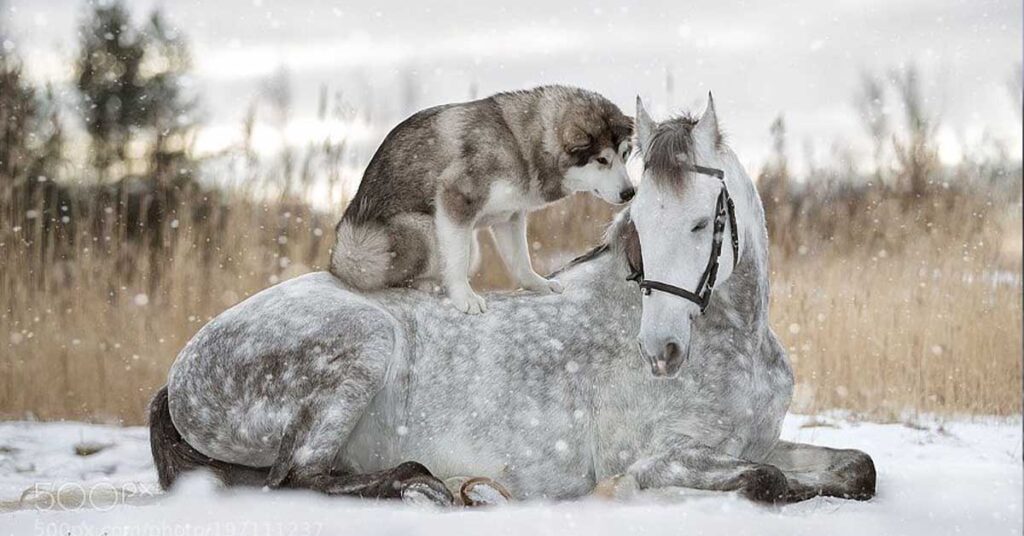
<point x="451" y="169"/>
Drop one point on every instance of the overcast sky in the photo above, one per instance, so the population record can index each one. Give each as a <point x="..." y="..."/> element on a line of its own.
<point x="802" y="58"/>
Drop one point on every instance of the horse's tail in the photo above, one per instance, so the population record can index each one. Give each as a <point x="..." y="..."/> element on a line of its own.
<point x="173" y="456"/>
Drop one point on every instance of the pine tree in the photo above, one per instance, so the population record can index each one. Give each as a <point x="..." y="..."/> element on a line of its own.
<point x="112" y="89"/>
<point x="171" y="111"/>
<point x="19" y="116"/>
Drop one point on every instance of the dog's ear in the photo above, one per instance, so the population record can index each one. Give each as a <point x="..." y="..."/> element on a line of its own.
<point x="575" y="140"/>
<point x="622" y="127"/>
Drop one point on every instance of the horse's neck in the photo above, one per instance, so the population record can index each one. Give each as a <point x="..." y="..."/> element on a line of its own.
<point x="607" y="272"/>
<point x="739" y="305"/>
<point x="741" y="302"/>
<point x="607" y="291"/>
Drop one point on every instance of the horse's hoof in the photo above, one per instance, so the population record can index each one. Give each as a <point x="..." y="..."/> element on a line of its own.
<point x="765" y="484"/>
<point x="483" y="491"/>
<point x="860" y="472"/>
<point x="426" y="491"/>
<point x="619" y="487"/>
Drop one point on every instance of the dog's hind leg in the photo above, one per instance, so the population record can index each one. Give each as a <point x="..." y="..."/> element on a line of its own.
<point x="414" y="255"/>
<point x="373" y="255"/>
<point x="812" y="471"/>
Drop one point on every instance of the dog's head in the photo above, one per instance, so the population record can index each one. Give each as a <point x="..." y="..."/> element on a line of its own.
<point x="596" y="141"/>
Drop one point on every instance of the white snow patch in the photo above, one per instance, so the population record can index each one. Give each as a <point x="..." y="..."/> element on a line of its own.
<point x="962" y="477"/>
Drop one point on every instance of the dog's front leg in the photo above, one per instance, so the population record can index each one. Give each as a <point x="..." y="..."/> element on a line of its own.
<point x="510" y="237"/>
<point x="455" y="242"/>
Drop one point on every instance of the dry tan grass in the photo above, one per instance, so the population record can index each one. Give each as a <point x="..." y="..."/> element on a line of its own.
<point x="92" y="340"/>
<point x="879" y="334"/>
<point x="893" y="303"/>
<point x="927" y="329"/>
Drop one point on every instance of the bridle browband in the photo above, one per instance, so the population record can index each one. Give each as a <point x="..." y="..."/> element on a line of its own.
<point x="725" y="212"/>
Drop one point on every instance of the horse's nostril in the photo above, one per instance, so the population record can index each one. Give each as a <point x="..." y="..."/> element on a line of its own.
<point x="627" y="194"/>
<point x="672" y="351"/>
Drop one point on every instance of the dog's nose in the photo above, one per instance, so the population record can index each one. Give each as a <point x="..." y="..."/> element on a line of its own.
<point x="627" y="194"/>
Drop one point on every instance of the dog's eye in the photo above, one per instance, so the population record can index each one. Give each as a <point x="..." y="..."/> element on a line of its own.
<point x="700" y="225"/>
<point x="602" y="160"/>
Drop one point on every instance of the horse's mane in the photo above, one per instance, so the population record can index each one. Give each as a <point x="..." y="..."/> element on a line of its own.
<point x="611" y="242"/>
<point x="594" y="253"/>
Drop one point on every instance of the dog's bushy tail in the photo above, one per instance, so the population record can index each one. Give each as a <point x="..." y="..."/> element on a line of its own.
<point x="361" y="255"/>
<point x="173" y="456"/>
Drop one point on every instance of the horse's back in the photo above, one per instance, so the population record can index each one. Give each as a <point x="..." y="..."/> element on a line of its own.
<point x="240" y="381"/>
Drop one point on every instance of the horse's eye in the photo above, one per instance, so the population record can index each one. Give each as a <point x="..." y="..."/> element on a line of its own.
<point x="700" y="225"/>
<point x="602" y="160"/>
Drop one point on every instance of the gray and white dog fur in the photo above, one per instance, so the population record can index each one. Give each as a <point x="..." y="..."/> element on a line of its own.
<point x="309" y="384"/>
<point x="449" y="170"/>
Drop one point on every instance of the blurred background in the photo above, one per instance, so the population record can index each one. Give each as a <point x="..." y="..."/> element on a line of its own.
<point x="163" y="160"/>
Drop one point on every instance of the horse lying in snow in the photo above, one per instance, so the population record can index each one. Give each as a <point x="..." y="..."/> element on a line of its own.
<point x="310" y="385"/>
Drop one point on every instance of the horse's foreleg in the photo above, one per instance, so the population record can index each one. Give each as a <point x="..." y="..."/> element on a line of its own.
<point x="812" y="471"/>
<point x="705" y="468"/>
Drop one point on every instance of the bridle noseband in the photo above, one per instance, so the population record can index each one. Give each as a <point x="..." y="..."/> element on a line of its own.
<point x="725" y="212"/>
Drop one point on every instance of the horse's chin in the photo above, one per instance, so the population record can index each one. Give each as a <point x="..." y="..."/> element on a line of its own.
<point x="668" y="370"/>
<point x="665" y="373"/>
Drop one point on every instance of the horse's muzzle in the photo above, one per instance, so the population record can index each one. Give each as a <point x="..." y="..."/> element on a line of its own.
<point x="668" y="360"/>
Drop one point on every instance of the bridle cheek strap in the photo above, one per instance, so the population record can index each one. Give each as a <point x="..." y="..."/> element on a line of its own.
<point x="725" y="213"/>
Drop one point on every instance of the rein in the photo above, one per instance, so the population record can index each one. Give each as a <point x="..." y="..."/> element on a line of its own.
<point x="725" y="213"/>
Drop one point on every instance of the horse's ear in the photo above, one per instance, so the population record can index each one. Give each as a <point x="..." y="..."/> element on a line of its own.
<point x="707" y="127"/>
<point x="644" y="126"/>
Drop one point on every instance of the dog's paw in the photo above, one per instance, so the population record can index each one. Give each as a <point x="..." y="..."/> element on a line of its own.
<point x="468" y="302"/>
<point x="544" y="286"/>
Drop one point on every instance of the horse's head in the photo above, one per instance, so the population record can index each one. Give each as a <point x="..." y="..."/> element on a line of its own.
<point x="686" y="226"/>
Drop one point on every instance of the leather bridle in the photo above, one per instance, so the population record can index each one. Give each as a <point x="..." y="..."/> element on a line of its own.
<point x="725" y="213"/>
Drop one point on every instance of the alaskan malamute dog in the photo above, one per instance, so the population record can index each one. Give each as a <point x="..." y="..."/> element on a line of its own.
<point x="449" y="170"/>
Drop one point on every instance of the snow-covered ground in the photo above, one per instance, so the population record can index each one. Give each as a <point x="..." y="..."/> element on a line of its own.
<point x="959" y="477"/>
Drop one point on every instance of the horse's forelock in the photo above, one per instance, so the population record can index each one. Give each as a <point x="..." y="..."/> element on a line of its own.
<point x="670" y="147"/>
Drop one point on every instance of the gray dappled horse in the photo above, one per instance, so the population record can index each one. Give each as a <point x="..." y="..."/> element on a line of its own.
<point x="310" y="385"/>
